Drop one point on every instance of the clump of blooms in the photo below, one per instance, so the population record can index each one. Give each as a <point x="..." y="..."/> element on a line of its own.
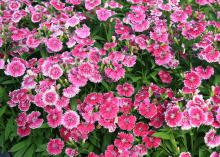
<point x="112" y="78"/>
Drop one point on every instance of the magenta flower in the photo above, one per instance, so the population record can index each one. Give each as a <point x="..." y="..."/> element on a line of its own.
<point x="125" y="90"/>
<point x="55" y="146"/>
<point x="192" y="80"/>
<point x="126" y="122"/>
<point x="173" y="116"/>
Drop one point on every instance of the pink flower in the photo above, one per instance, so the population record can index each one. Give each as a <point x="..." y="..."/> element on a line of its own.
<point x="125" y="90"/>
<point x="21" y="120"/>
<point x="28" y="82"/>
<point x="173" y="116"/>
<point x="192" y="80"/>
<point x="71" y="152"/>
<point x="54" y="44"/>
<point x="83" y="32"/>
<point x="55" y="72"/>
<point x="57" y="4"/>
<point x="2" y="63"/>
<point x="205" y="73"/>
<point x="89" y="5"/>
<point x="33" y="120"/>
<point x="140" y="129"/>
<point x="103" y="14"/>
<point x="185" y="154"/>
<point x="108" y="124"/>
<point x="185" y="123"/>
<point x="215" y="154"/>
<point x="36" y="17"/>
<point x="218" y="115"/>
<point x="71" y="91"/>
<point x="76" y="78"/>
<point x="151" y="141"/>
<point x="147" y="109"/>
<point x="23" y="130"/>
<point x="124" y="141"/>
<point x="32" y="42"/>
<point x="179" y="16"/>
<point x="55" y="146"/>
<point x="50" y="97"/>
<point x="126" y="122"/>
<point x="14" y="5"/>
<point x="15" y="68"/>
<point x="70" y="119"/>
<point x="211" y="139"/>
<point x="165" y="76"/>
<point x="72" y="22"/>
<point x="86" y="69"/>
<point x="54" y="118"/>
<point x="109" y="110"/>
<point x="196" y="116"/>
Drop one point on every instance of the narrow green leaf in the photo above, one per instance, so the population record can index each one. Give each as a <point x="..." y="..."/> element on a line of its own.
<point x="162" y="135"/>
<point x="19" y="146"/>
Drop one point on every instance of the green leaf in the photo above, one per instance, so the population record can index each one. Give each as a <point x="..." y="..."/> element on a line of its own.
<point x="9" y="127"/>
<point x="2" y="110"/>
<point x="9" y="82"/>
<point x="30" y="151"/>
<point x="19" y="146"/>
<point x="162" y="135"/>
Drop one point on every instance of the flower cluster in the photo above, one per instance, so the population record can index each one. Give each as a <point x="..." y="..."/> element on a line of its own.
<point x="77" y="61"/>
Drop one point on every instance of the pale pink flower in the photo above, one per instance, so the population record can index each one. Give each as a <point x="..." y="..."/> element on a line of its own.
<point x="211" y="139"/>
<point x="83" y="32"/>
<point x="185" y="154"/>
<point x="70" y="119"/>
<point x="54" y="44"/>
<point x="15" y="68"/>
<point x="55" y="72"/>
<point x="103" y="14"/>
<point x="33" y="120"/>
<point x="50" y="97"/>
<point x="71" y="91"/>
<point x="91" y="4"/>
<point x="197" y="116"/>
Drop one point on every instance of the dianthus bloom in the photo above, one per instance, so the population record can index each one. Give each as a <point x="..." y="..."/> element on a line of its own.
<point x="196" y="116"/>
<point x="165" y="76"/>
<point x="215" y="154"/>
<point x="15" y="68"/>
<point x="71" y="152"/>
<point x="125" y="90"/>
<point x="54" y="44"/>
<point x="50" y="97"/>
<point x="109" y="110"/>
<point x="70" y="119"/>
<point x="151" y="141"/>
<point x="83" y="32"/>
<point x="185" y="154"/>
<point x="173" y="116"/>
<point x="33" y="120"/>
<point x="89" y="5"/>
<point x="55" y="146"/>
<point x="192" y="80"/>
<point x="124" y="141"/>
<point x="54" y="118"/>
<point x="126" y="122"/>
<point x="140" y="129"/>
<point x="211" y="139"/>
<point x="103" y="14"/>
<point x="55" y="72"/>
